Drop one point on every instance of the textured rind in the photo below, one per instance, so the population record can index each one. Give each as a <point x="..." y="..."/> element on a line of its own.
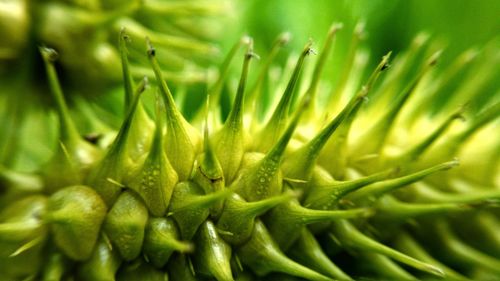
<point x="344" y="216"/>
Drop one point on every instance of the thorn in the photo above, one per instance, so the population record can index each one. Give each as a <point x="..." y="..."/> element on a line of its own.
<point x="284" y="38"/>
<point x="151" y="49"/>
<point x="311" y="51"/>
<point x="50" y="54"/>
<point x="434" y="58"/>
<point x="246" y="39"/>
<point x="115" y="182"/>
<point x="291" y="180"/>
<point x="336" y="27"/>
<point x="124" y="35"/>
<point x="359" y="30"/>
<point x="454" y="163"/>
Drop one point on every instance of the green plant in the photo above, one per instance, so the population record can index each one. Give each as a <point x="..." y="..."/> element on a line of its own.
<point x="309" y="185"/>
<point x="183" y="30"/>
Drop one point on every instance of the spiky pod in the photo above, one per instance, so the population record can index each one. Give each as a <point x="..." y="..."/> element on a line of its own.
<point x="85" y="32"/>
<point x="322" y="187"/>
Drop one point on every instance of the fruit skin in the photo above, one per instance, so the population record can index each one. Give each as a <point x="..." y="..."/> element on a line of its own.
<point x="112" y="229"/>
<point x="125" y="225"/>
<point x="161" y="240"/>
<point x="27" y="212"/>
<point x="102" y="265"/>
<point x="213" y="254"/>
<point x="75" y="215"/>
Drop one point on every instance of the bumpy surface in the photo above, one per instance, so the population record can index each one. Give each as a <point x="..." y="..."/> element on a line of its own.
<point x="315" y="184"/>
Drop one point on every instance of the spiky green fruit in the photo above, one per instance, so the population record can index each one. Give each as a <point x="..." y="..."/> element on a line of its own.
<point x="325" y="188"/>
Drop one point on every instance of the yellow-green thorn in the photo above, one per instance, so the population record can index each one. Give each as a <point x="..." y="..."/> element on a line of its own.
<point x="264" y="179"/>
<point x="335" y="152"/>
<point x="380" y="130"/>
<point x="230" y="140"/>
<point x="238" y="216"/>
<point x="390" y="208"/>
<point x="277" y="123"/>
<point x="155" y="178"/>
<point x="300" y="163"/>
<point x="263" y="256"/>
<point x="327" y="195"/>
<point x="128" y="82"/>
<point x="377" y="189"/>
<point x="307" y="251"/>
<point x="190" y="206"/>
<point x="182" y="142"/>
<point x="350" y="237"/>
<point x="286" y="220"/>
<point x="357" y="37"/>
<point x="115" y="163"/>
<point x="416" y="151"/>
<point x="462" y="252"/>
<point x="406" y="243"/>
<point x="252" y="106"/>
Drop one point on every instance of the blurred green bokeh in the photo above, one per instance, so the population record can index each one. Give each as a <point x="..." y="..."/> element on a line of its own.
<point x="390" y="24"/>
